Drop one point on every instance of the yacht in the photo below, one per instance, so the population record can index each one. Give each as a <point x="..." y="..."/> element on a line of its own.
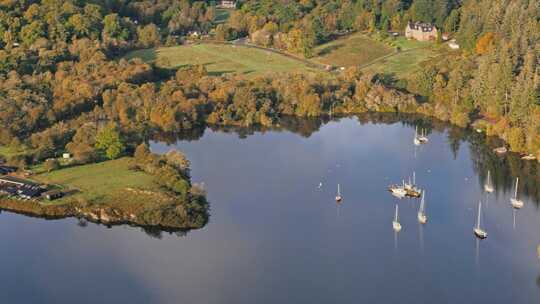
<point x="516" y="203"/>
<point x="422" y="218"/>
<point x="479" y="232"/>
<point x="338" y="195"/>
<point x="488" y="187"/>
<point x="395" y="224"/>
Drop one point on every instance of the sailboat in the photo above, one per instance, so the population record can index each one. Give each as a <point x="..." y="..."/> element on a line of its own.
<point x="411" y="189"/>
<point x="423" y="137"/>
<point x="422" y="218"/>
<point x="516" y="203"/>
<point x="488" y="187"/>
<point x="398" y="191"/>
<point x="416" y="138"/>
<point x="479" y="232"/>
<point x="338" y="196"/>
<point x="395" y="224"/>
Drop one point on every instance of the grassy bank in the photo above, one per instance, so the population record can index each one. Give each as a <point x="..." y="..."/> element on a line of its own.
<point x="407" y="60"/>
<point x="111" y="192"/>
<point x="399" y="56"/>
<point x="353" y="50"/>
<point x="221" y="59"/>
<point x="106" y="182"/>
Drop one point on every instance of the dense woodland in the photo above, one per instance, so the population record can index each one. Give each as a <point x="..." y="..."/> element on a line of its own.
<point x="62" y="86"/>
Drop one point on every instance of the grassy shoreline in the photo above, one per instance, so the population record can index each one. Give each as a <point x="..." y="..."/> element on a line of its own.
<point x="108" y="192"/>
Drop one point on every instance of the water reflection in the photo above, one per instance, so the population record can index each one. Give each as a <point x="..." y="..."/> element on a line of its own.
<point x="274" y="238"/>
<point x="505" y="168"/>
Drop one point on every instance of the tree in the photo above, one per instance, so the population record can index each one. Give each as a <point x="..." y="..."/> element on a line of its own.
<point x="148" y="35"/>
<point x="484" y="44"/>
<point x="109" y="141"/>
<point x="51" y="164"/>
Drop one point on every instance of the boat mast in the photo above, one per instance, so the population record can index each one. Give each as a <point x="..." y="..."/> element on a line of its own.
<point x="422" y="203"/>
<point x="479" y="211"/>
<point x="338" y="192"/>
<point x="396" y="216"/>
<point x="517" y="182"/>
<point x="414" y="177"/>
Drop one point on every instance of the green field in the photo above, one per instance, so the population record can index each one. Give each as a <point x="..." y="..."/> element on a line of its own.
<point x="221" y="59"/>
<point x="376" y="54"/>
<point x="409" y="59"/>
<point x="353" y="50"/>
<point x="100" y="182"/>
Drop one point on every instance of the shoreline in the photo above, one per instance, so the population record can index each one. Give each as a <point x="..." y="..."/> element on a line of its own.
<point x="96" y="213"/>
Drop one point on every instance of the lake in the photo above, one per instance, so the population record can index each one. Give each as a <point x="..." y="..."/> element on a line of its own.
<point x="275" y="237"/>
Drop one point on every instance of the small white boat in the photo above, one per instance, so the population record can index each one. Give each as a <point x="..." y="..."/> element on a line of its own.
<point x="410" y="187"/>
<point x="395" y="224"/>
<point x="422" y="218"/>
<point x="479" y="232"/>
<point x="338" y="196"/>
<point x="500" y="150"/>
<point x="516" y="203"/>
<point x="423" y="137"/>
<point x="398" y="191"/>
<point x="488" y="187"/>
<point x="416" y="140"/>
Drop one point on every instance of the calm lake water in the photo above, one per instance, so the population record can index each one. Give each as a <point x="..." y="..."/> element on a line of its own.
<point x="274" y="237"/>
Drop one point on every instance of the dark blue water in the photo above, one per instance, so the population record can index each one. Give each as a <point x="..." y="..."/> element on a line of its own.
<point x="273" y="237"/>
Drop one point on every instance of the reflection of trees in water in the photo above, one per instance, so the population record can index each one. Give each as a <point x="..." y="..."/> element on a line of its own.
<point x="504" y="170"/>
<point x="157" y="232"/>
<point x="152" y="231"/>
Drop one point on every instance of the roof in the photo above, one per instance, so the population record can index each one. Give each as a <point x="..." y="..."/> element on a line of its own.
<point x="419" y="26"/>
<point x="30" y="192"/>
<point x="17" y="181"/>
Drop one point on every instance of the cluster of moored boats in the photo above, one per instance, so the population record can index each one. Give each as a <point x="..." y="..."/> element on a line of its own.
<point x="411" y="190"/>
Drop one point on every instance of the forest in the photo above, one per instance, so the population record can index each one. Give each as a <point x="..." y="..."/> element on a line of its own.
<point x="64" y="88"/>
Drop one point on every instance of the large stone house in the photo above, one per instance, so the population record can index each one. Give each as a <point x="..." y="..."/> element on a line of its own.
<point x="421" y="31"/>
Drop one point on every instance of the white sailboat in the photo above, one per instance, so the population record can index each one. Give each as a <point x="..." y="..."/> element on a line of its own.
<point x="398" y="191"/>
<point x="338" y="196"/>
<point x="516" y="203"/>
<point x="416" y="139"/>
<point x="395" y="224"/>
<point x="423" y="137"/>
<point x="488" y="187"/>
<point x="422" y="218"/>
<point x="410" y="187"/>
<point x="479" y="232"/>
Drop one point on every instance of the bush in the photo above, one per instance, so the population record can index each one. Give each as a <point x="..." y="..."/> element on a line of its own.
<point x="51" y="164"/>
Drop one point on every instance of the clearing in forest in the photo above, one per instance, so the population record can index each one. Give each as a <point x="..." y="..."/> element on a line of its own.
<point x="221" y="59"/>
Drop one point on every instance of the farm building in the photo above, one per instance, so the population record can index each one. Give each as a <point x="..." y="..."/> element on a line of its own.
<point x="226" y="4"/>
<point x="421" y="31"/>
<point x="15" y="186"/>
<point x="53" y="194"/>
